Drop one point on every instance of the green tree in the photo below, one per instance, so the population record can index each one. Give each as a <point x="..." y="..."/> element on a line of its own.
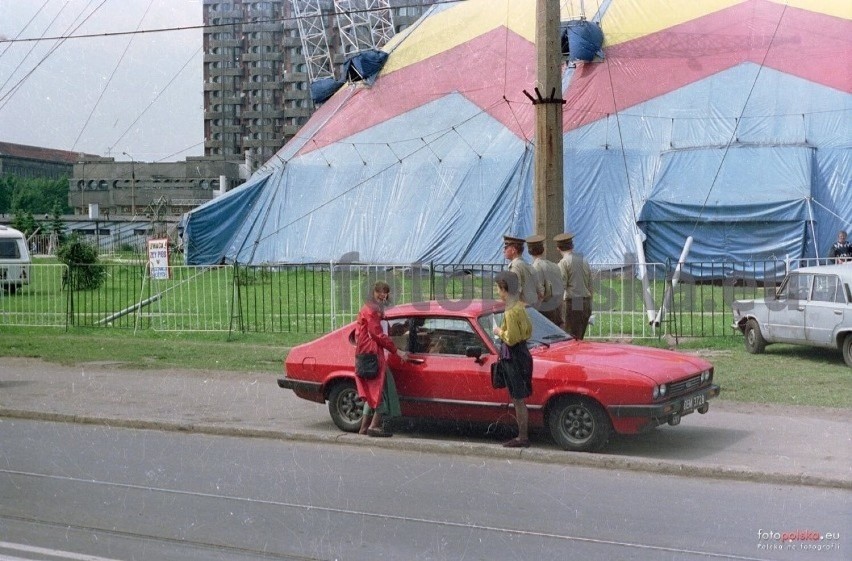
<point x="8" y="184"/>
<point x="57" y="225"/>
<point x="35" y="195"/>
<point x="84" y="270"/>
<point x="24" y="221"/>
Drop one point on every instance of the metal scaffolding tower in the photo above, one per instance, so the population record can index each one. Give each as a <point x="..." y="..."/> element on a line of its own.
<point x="314" y="39"/>
<point x="364" y="24"/>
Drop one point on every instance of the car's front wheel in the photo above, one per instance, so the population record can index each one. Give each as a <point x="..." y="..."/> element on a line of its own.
<point x="345" y="406"/>
<point x="579" y="424"/>
<point x="847" y="350"/>
<point x="754" y="341"/>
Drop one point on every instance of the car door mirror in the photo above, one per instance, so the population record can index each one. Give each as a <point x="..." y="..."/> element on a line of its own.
<point x="475" y="352"/>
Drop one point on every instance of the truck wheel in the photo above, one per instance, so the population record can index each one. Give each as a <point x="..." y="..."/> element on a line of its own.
<point x="754" y="341"/>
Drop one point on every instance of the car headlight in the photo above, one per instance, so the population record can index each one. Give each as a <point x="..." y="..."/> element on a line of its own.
<point x="663" y="389"/>
<point x="705" y="376"/>
<point x="655" y="392"/>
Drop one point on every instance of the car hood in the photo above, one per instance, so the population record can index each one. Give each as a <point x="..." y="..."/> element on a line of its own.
<point x="659" y="365"/>
<point x="752" y="301"/>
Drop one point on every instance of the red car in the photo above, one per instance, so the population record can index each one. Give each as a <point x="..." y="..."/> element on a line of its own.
<point x="582" y="390"/>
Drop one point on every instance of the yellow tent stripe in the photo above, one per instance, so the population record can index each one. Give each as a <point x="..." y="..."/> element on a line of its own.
<point x="625" y="21"/>
<point x="461" y="23"/>
<point x="836" y="8"/>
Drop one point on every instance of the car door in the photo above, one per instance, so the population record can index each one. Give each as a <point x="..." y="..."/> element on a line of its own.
<point x="825" y="310"/>
<point x="438" y="380"/>
<point x="786" y="317"/>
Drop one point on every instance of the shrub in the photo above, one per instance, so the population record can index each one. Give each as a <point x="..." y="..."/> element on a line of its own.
<point x="84" y="271"/>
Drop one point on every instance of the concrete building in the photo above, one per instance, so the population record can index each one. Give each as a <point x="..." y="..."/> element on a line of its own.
<point x="256" y="84"/>
<point x="33" y="161"/>
<point x="148" y="190"/>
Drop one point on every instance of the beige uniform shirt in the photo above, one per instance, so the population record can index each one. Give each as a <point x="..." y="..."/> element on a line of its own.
<point x="527" y="288"/>
<point x="550" y="281"/>
<point x="576" y="275"/>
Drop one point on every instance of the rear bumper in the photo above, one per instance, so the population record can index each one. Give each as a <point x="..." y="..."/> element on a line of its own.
<point x="312" y="391"/>
<point x="681" y="405"/>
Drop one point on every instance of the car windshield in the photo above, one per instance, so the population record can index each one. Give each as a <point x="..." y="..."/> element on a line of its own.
<point x="544" y="332"/>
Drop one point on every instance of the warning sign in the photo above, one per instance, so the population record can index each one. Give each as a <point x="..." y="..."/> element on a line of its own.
<point x="158" y="258"/>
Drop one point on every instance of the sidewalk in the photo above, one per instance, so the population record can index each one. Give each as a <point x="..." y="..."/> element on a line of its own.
<point x="772" y="444"/>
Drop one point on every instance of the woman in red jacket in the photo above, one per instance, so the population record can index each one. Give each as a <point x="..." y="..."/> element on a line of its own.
<point x="379" y="393"/>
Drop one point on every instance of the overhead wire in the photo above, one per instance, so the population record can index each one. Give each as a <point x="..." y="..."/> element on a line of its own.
<point x="33" y="47"/>
<point x="32" y="19"/>
<point x="156" y="98"/>
<point x="4" y="100"/>
<point x="111" y="76"/>
<point x="204" y="26"/>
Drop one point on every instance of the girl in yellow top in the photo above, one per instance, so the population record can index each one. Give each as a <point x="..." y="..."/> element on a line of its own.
<point x="514" y="332"/>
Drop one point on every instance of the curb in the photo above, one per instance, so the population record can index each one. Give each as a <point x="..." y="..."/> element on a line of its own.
<point x="589" y="460"/>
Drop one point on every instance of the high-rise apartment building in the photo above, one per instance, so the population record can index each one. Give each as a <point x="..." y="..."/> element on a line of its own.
<point x="256" y="82"/>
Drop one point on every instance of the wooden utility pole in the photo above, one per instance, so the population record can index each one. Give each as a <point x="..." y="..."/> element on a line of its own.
<point x="548" y="215"/>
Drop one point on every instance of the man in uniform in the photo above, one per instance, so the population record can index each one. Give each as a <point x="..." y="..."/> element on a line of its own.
<point x="841" y="251"/>
<point x="577" y="278"/>
<point x="513" y="248"/>
<point x="550" y="285"/>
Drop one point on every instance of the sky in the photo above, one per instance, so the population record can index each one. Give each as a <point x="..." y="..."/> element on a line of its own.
<point x="139" y="94"/>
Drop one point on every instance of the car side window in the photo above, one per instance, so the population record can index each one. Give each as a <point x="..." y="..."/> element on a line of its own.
<point x="797" y="286"/>
<point x="397" y="330"/>
<point x="445" y="336"/>
<point x="827" y="288"/>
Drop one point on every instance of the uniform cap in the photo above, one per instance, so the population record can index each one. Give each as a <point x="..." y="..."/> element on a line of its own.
<point x="512" y="240"/>
<point x="535" y="239"/>
<point x="562" y="238"/>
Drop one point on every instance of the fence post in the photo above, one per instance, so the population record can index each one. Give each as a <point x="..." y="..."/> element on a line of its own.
<point x="137" y="317"/>
<point x="69" y="302"/>
<point x="236" y="303"/>
<point x="431" y="280"/>
<point x="333" y="291"/>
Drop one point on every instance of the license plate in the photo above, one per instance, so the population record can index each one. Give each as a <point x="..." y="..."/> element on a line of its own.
<point x="691" y="403"/>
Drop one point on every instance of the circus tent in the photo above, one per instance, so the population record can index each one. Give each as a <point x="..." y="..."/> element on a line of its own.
<point x="726" y="120"/>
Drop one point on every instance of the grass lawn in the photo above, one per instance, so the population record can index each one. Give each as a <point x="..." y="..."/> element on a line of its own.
<point x="785" y="374"/>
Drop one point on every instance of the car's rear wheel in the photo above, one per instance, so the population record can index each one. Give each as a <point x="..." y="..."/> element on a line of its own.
<point x="579" y="424"/>
<point x="754" y="341"/>
<point x="345" y="407"/>
<point x="847" y="350"/>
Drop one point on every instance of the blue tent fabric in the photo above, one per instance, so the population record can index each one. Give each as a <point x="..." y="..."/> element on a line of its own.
<point x="323" y="89"/>
<point x="613" y="164"/>
<point x="211" y="227"/>
<point x="364" y="65"/>
<point x="585" y="39"/>
<point x="756" y="209"/>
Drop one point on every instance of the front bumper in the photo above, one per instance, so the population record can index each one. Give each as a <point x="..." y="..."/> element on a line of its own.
<point x="668" y="410"/>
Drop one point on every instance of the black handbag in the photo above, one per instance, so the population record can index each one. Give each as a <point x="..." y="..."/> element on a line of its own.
<point x="367" y="366"/>
<point x="498" y="374"/>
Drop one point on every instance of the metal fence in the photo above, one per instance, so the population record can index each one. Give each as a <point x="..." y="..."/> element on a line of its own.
<point x="629" y="301"/>
<point x="107" y="245"/>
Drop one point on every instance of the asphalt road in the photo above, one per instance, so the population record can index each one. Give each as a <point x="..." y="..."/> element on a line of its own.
<point x="160" y="495"/>
<point x="745" y="442"/>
